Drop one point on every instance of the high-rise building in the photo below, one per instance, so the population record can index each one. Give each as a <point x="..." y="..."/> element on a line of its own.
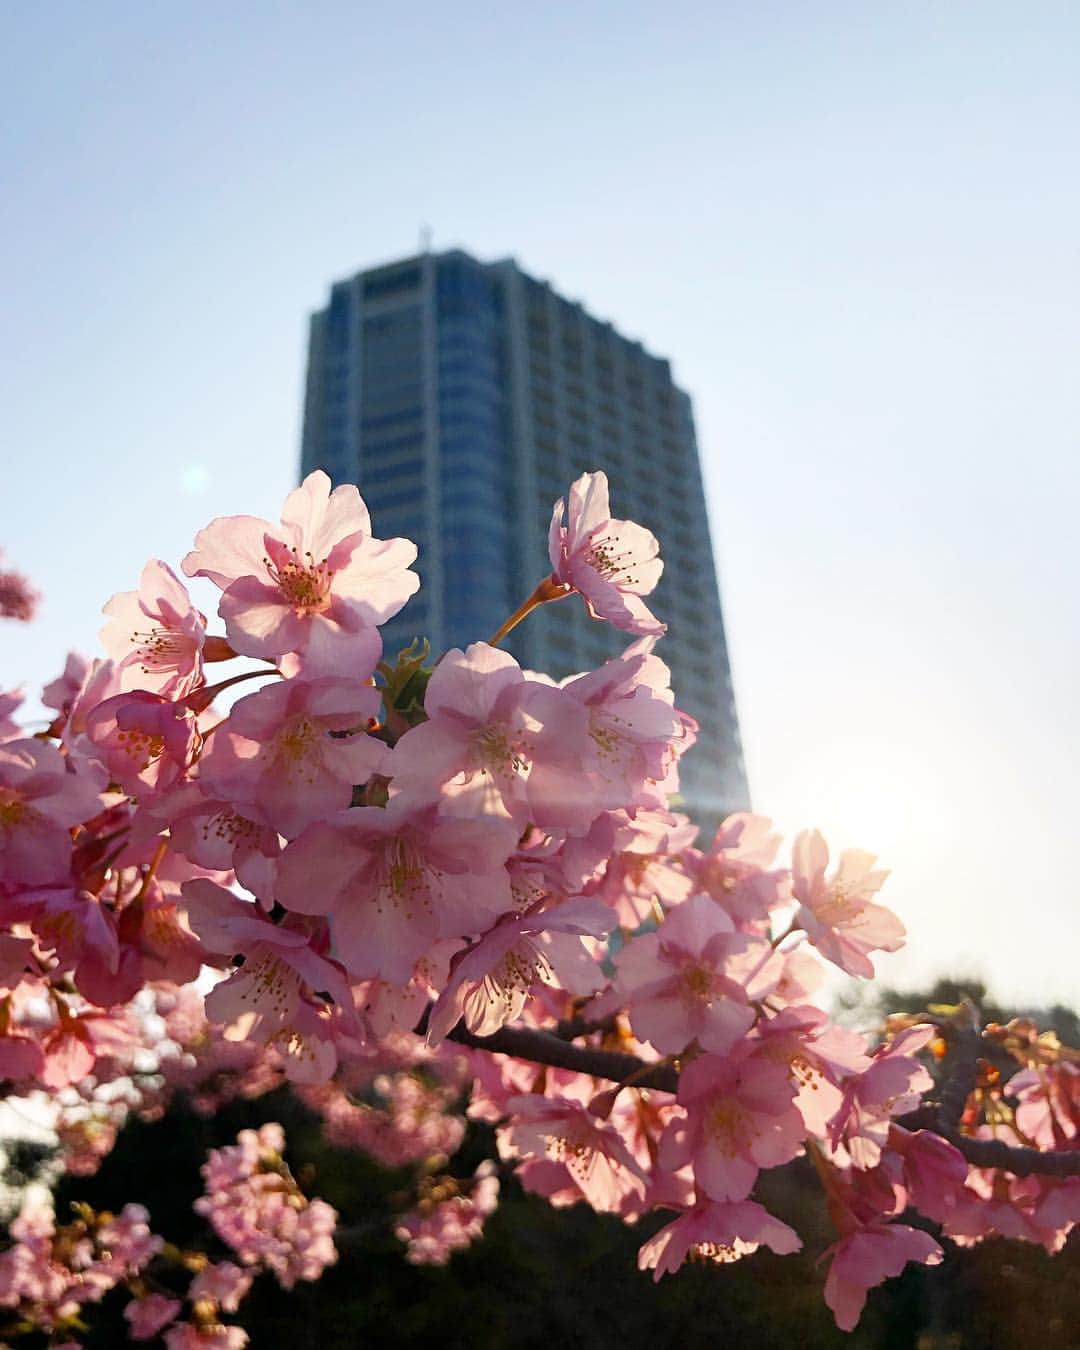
<point x="464" y="398"/>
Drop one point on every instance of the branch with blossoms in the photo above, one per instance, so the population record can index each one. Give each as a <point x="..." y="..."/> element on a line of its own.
<point x="51" y="1272"/>
<point x="427" y="894"/>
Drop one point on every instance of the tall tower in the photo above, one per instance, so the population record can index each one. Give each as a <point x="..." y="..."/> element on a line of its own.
<point x="464" y="398"/>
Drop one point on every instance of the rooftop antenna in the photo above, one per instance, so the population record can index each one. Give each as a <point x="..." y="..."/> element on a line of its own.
<point x="425" y="238"/>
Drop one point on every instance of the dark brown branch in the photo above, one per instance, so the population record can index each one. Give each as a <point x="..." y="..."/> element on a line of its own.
<point x="544" y="1048"/>
<point x="1022" y="1162"/>
<point x="957" y="1085"/>
<point x="961" y="1076"/>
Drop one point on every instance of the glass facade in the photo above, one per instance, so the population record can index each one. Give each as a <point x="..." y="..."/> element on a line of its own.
<point x="464" y="398"/>
<point x="474" y="451"/>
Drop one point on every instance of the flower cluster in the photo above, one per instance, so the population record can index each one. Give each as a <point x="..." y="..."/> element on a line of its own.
<point x="463" y="890"/>
<point x="255" y="1207"/>
<point x="448" y="1216"/>
<point x="50" y="1272"/>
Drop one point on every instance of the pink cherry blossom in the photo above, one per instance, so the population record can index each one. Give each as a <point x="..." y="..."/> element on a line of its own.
<point x="837" y="913"/>
<point x="994" y="1203"/>
<point x="223" y="1283"/>
<point x="147" y="1316"/>
<point x="387" y="1007"/>
<point x="394" y="879"/>
<point x="155" y="635"/>
<point x="868" y="1257"/>
<point x="890" y="1085"/>
<point x="77" y="928"/>
<point x="42" y="795"/>
<point x="216" y="835"/>
<point x="404" y="1120"/>
<point x="317" y="585"/>
<point x="633" y="733"/>
<point x="1048" y="1104"/>
<point x="735" y="870"/>
<point x="819" y="1056"/>
<point x="934" y="1172"/>
<point x="694" y="979"/>
<point x="488" y="728"/>
<point x="271" y="997"/>
<point x="449" y="1217"/>
<point x="740" y="1118"/>
<point x="640" y="869"/>
<point x="490" y="984"/>
<point x="62" y="692"/>
<point x="254" y="1205"/>
<point x="610" y="563"/>
<point x="127" y="1238"/>
<point x="720" y="1233"/>
<point x="571" y="1155"/>
<point x="147" y="742"/>
<point x="100" y="681"/>
<point x="285" y="751"/>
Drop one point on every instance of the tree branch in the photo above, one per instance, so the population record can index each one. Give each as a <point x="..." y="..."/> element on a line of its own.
<point x="957" y="1085"/>
<point x="1022" y="1162"/>
<point x="544" y="1048"/>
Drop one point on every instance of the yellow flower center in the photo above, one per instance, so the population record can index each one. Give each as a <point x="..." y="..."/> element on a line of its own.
<point x="303" y="582"/>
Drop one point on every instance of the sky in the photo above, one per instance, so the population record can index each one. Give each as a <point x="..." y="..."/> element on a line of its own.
<point x="855" y="231"/>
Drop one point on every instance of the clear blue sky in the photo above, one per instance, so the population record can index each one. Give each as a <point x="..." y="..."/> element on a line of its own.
<point x="854" y="228"/>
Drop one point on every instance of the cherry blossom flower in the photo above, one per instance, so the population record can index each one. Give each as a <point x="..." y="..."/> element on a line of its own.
<point x="270" y="997"/>
<point x="490" y="984"/>
<point x="488" y="728"/>
<point x="819" y="1056"/>
<point x="1048" y="1104"/>
<point x="317" y="585"/>
<point x="890" y="1085"/>
<point x="571" y="1155"/>
<point x="155" y="635"/>
<point x="148" y="1315"/>
<point x="640" y="854"/>
<point x="127" y="1238"/>
<point x="216" y="835"/>
<point x="393" y="879"/>
<point x="80" y="931"/>
<point x="284" y="751"/>
<point x="62" y="692"/>
<point x="868" y="1257"/>
<point x="223" y="1283"/>
<point x="720" y="1233"/>
<point x="42" y="795"/>
<point x="735" y="870"/>
<point x="837" y="913"/>
<point x="449" y="1217"/>
<point x="610" y="563"/>
<point x="740" y="1118"/>
<point x="387" y="1007"/>
<point x="633" y="733"/>
<point x="256" y="1208"/>
<point x="405" y="1119"/>
<point x="934" y="1172"/>
<point x="694" y="979"/>
<point x="147" y="742"/>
